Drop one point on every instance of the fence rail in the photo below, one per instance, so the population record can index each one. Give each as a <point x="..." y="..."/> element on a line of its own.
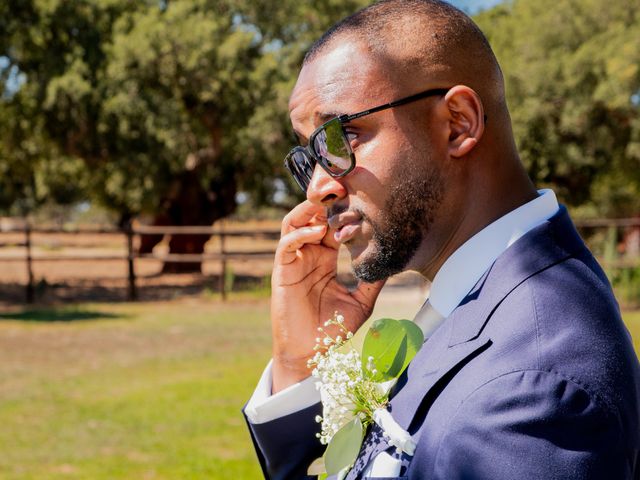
<point x="608" y="222"/>
<point x="223" y="255"/>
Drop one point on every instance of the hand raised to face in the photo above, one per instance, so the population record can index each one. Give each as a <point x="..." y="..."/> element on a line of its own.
<point x="306" y="293"/>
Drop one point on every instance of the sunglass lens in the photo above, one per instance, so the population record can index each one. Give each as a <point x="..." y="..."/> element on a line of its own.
<point x="333" y="149"/>
<point x="301" y="167"/>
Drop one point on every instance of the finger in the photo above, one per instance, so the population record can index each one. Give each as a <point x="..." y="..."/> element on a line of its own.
<point x="329" y="239"/>
<point x="302" y="215"/>
<point x="292" y="242"/>
<point x="367" y="293"/>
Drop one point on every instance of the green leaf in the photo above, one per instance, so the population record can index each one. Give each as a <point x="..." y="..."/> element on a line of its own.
<point x="415" y="339"/>
<point x="344" y="447"/>
<point x="342" y="474"/>
<point x="395" y="369"/>
<point x="357" y="340"/>
<point x="383" y="342"/>
<point x="392" y="344"/>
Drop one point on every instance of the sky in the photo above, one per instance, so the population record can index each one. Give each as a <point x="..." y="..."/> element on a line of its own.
<point x="473" y="6"/>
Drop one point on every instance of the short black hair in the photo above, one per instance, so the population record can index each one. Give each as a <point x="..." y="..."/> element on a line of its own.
<point x="370" y="21"/>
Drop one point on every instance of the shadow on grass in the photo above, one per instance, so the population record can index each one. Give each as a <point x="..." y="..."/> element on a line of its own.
<point x="150" y="288"/>
<point x="47" y="315"/>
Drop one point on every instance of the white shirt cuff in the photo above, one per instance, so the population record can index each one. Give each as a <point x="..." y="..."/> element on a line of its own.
<point x="264" y="407"/>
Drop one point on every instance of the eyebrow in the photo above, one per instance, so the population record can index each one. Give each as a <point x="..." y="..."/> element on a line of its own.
<point x="325" y="117"/>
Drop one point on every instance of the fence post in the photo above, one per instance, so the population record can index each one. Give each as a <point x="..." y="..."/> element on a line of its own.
<point x="132" y="293"/>
<point x="223" y="264"/>
<point x="27" y="243"/>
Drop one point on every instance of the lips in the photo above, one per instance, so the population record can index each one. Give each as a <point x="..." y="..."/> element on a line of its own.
<point x="346" y="233"/>
<point x="346" y="225"/>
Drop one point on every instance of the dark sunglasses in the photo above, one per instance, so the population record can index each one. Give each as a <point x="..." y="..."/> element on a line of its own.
<point x="330" y="147"/>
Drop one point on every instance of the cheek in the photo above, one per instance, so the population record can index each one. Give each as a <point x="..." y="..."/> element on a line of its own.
<point x="381" y="164"/>
<point x="382" y="157"/>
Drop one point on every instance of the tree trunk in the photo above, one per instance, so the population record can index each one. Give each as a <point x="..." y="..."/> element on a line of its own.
<point x="191" y="204"/>
<point x="192" y="244"/>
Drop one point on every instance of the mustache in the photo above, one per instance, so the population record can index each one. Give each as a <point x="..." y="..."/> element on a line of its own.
<point x="336" y="209"/>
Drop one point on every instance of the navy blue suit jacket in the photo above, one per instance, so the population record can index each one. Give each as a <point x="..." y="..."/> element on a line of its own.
<point x="533" y="376"/>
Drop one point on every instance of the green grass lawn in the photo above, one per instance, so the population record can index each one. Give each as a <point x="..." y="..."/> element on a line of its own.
<point x="148" y="391"/>
<point x="632" y="319"/>
<point x="134" y="391"/>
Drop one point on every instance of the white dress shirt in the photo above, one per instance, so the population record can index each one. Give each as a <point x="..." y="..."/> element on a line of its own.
<point x="452" y="283"/>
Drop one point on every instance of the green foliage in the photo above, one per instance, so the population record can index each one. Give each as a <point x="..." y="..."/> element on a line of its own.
<point x="142" y="92"/>
<point x="392" y="344"/>
<point x="229" y="279"/>
<point x="626" y="284"/>
<point x="112" y="100"/>
<point x="344" y="447"/>
<point x="572" y="72"/>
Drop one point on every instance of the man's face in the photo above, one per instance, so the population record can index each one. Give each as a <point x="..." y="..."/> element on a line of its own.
<point x="382" y="211"/>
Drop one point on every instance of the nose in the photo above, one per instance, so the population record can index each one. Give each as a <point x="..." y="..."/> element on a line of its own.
<point x="324" y="189"/>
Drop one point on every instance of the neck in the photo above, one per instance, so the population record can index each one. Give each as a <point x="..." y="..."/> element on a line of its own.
<point x="487" y="196"/>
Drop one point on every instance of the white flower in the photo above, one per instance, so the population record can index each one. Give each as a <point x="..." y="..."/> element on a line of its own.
<point x="396" y="435"/>
<point x="346" y="392"/>
<point x="335" y="371"/>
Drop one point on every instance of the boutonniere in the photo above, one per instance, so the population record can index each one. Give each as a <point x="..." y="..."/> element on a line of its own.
<point x="354" y="376"/>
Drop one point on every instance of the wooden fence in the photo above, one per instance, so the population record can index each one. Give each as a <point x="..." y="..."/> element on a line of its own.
<point x="223" y="255"/>
<point x="608" y="257"/>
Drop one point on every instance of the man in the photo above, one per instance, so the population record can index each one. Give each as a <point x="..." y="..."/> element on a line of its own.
<point x="527" y="371"/>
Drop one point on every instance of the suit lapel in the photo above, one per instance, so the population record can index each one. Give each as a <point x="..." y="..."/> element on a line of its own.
<point x="459" y="339"/>
<point x="413" y="386"/>
<point x="419" y="382"/>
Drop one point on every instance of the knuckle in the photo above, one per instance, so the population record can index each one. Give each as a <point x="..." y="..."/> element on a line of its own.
<point x="287" y="240"/>
<point x="287" y="217"/>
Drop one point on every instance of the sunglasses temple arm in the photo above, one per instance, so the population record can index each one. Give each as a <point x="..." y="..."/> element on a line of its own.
<point x="402" y="101"/>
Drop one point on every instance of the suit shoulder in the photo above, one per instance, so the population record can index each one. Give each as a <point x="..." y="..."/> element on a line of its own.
<point x="533" y="424"/>
<point x="574" y="328"/>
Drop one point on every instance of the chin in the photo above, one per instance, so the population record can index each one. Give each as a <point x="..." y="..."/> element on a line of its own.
<point x="380" y="260"/>
<point x="361" y="253"/>
<point x="355" y="251"/>
<point x="367" y="267"/>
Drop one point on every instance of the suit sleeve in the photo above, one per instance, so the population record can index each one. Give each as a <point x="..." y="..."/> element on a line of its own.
<point x="283" y="427"/>
<point x="287" y="445"/>
<point x="264" y="407"/>
<point x="533" y="425"/>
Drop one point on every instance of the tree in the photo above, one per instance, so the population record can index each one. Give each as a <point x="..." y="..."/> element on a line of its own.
<point x="170" y="108"/>
<point x="167" y="108"/>
<point x="572" y="72"/>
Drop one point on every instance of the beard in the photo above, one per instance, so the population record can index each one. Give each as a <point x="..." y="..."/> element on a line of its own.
<point x="406" y="217"/>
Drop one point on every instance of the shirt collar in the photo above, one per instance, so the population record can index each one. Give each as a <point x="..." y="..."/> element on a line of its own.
<point x="461" y="271"/>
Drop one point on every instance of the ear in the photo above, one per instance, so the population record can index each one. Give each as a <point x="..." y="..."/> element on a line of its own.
<point x="466" y="120"/>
